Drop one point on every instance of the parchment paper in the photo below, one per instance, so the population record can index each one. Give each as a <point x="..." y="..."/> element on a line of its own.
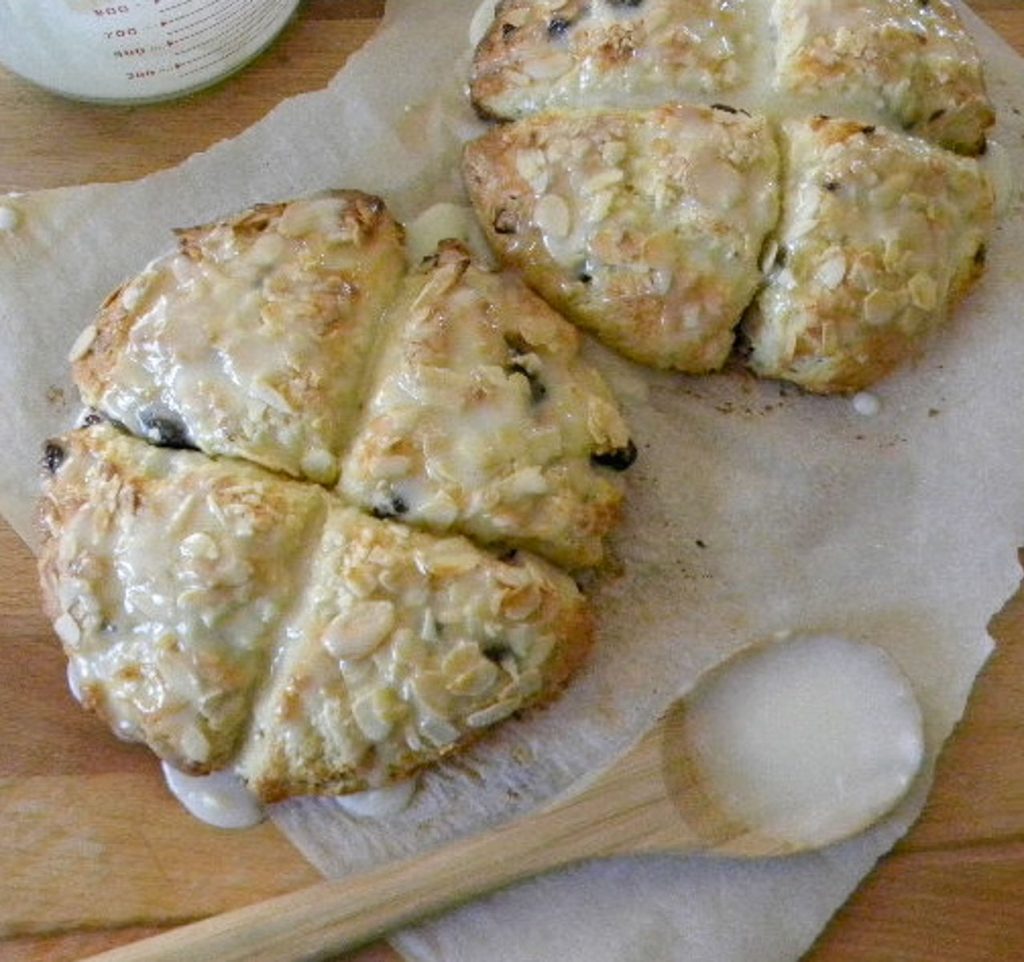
<point x="751" y="510"/>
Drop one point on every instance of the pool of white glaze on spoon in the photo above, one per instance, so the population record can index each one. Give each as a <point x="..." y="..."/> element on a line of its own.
<point x="809" y="739"/>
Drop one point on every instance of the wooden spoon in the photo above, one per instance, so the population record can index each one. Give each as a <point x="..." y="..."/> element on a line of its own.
<point x="654" y="799"/>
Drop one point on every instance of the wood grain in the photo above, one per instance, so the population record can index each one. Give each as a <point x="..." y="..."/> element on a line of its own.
<point x="649" y="801"/>
<point x="953" y="891"/>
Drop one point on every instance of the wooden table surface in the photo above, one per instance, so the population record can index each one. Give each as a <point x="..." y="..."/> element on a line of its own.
<point x="93" y="853"/>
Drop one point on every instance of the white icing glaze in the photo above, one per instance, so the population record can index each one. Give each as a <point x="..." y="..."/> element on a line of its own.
<point x="809" y="739"/>
<point x="9" y="218"/>
<point x="481" y="21"/>
<point x="1004" y="182"/>
<point x="866" y="404"/>
<point x="379" y="802"/>
<point x="220" y="799"/>
<point x="75" y="680"/>
<point x="444" y="222"/>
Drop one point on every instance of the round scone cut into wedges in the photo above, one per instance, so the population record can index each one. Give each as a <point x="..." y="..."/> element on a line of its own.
<point x="910" y="60"/>
<point x="553" y="53"/>
<point x="881" y="234"/>
<point x="250" y="339"/>
<point x="481" y="418"/>
<point x="644" y="226"/>
<point x="657" y="247"/>
<point x="228" y="616"/>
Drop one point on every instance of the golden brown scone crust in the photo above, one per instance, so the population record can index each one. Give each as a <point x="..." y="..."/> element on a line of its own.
<point x="482" y="418"/>
<point x="911" y="60"/>
<point x="250" y="338"/>
<point x="573" y="53"/>
<point x="642" y="226"/>
<point x="210" y="608"/>
<point x="881" y="235"/>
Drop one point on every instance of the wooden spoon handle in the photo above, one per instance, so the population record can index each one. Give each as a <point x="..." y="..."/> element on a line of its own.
<point x="625" y="810"/>
<point x="333" y="917"/>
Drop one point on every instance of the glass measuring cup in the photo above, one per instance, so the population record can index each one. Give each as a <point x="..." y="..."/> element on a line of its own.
<point x="121" y="51"/>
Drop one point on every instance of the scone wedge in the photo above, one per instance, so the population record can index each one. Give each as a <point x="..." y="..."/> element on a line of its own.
<point x="573" y="53"/>
<point x="483" y="419"/>
<point x="406" y="648"/>
<point x="881" y="235"/>
<point x="167" y="576"/>
<point x="250" y="338"/>
<point x="910" y="61"/>
<point x="643" y="226"/>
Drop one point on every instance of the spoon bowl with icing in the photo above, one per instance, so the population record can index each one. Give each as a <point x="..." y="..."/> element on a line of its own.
<point x="785" y="747"/>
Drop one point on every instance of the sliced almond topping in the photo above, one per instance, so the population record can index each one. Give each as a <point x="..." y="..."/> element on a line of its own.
<point x="319" y="465"/>
<point x="271" y="397"/>
<point x="552" y="215"/>
<point x="602" y="179"/>
<point x="600" y="205"/>
<point x="517" y="17"/>
<point x="513" y="576"/>
<point x="525" y="483"/>
<point x="82" y="343"/>
<point x="437" y="730"/>
<point x="132" y="295"/>
<point x="832" y="270"/>
<point x="428" y="627"/>
<point x="519" y="603"/>
<point x="531" y="166"/>
<point x="200" y="545"/>
<point x="194" y="744"/>
<point x="548" y="68"/>
<point x="427" y="692"/>
<point x="440" y="510"/>
<point x="881" y="306"/>
<point x="375" y="713"/>
<point x="923" y="292"/>
<point x="67" y="630"/>
<point x="463" y="656"/>
<point x="358" y="632"/>
<point x="475" y="682"/>
<point x="493" y="713"/>
<point x="452" y="556"/>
